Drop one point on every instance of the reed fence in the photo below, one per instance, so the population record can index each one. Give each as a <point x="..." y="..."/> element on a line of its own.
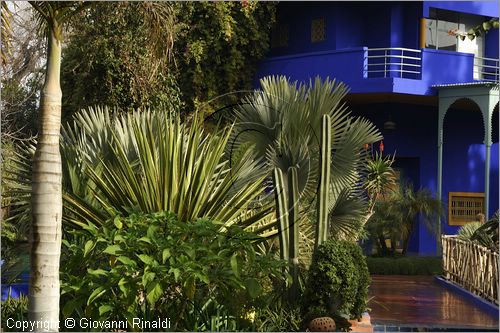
<point x="472" y="266"/>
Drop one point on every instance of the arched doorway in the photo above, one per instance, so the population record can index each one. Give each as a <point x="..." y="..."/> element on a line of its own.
<point x="485" y="97"/>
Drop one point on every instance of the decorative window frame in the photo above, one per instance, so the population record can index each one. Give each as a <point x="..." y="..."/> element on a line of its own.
<point x="463" y="207"/>
<point x="318" y="30"/>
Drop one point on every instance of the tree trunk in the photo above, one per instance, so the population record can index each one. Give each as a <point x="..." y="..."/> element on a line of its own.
<point x="46" y="198"/>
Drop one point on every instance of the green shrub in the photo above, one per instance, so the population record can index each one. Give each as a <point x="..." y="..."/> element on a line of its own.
<point x="338" y="281"/>
<point x="405" y="265"/>
<point x="199" y="274"/>
<point x="15" y="308"/>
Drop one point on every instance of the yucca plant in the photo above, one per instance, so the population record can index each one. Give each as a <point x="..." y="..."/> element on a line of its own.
<point x="147" y="161"/>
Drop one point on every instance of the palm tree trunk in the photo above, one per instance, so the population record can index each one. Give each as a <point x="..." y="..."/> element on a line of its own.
<point x="47" y="197"/>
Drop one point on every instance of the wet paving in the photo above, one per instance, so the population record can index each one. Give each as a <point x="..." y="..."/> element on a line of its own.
<point x="418" y="301"/>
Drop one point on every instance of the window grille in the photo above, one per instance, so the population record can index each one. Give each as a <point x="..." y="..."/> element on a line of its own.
<point x="464" y="207"/>
<point x="318" y="30"/>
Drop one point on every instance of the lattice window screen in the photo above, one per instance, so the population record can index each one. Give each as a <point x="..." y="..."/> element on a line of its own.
<point x="279" y="36"/>
<point x="318" y="30"/>
<point x="464" y="207"/>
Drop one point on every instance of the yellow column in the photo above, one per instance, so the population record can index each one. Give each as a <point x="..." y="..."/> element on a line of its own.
<point x="422" y="33"/>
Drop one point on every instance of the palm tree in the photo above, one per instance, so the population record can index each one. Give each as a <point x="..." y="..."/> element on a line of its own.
<point x="283" y="124"/>
<point x="46" y="194"/>
<point x="396" y="216"/>
<point x="46" y="197"/>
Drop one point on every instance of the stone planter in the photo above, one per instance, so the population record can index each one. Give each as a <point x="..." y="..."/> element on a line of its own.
<point x="363" y="325"/>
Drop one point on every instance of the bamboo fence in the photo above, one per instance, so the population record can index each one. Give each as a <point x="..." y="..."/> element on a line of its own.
<point x="472" y="266"/>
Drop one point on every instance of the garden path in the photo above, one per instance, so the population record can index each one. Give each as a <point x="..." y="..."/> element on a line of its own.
<point x="418" y="301"/>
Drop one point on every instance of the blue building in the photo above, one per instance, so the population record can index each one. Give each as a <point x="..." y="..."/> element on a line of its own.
<point x="434" y="96"/>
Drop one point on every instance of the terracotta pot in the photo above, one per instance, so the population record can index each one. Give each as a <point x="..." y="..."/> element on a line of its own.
<point x="322" y="324"/>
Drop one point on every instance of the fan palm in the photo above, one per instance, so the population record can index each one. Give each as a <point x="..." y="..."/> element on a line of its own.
<point x="283" y="123"/>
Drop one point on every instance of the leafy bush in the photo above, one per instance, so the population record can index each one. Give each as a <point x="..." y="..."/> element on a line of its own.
<point x="405" y="265"/>
<point x="153" y="265"/>
<point x="337" y="284"/>
<point x="15" y="308"/>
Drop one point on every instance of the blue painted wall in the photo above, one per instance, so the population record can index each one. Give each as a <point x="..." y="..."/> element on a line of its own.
<point x="483" y="7"/>
<point x="415" y="143"/>
<point x="351" y="28"/>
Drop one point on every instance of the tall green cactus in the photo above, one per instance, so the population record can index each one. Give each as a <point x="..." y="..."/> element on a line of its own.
<point x="293" y="210"/>
<point x="324" y="180"/>
<point x="287" y="205"/>
<point x="280" y="194"/>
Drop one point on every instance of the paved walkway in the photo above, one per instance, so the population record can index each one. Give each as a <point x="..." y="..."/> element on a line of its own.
<point x="418" y="301"/>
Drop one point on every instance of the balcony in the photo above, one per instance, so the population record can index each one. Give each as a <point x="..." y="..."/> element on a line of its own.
<point x="386" y="70"/>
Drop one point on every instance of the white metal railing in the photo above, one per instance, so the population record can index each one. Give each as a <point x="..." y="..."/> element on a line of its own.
<point x="394" y="62"/>
<point x="486" y="69"/>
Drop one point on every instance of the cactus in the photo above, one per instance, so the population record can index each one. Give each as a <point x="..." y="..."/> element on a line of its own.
<point x="281" y="212"/>
<point x="324" y="181"/>
<point x="293" y="210"/>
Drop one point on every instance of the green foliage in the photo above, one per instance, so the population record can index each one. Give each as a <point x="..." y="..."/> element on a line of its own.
<point x="283" y="122"/>
<point x="19" y="107"/>
<point x="487" y="234"/>
<point x="395" y="217"/>
<point x="154" y="265"/>
<point x="213" y="48"/>
<point x="466" y="231"/>
<point x="148" y="161"/>
<point x="379" y="176"/>
<point x="15" y="308"/>
<point x="337" y="284"/>
<point x="218" y="48"/>
<point x="112" y="58"/>
<point x="279" y="319"/>
<point x="405" y="265"/>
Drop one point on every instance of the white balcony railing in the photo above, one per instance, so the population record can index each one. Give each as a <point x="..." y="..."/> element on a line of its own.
<point x="394" y="62"/>
<point x="486" y="69"/>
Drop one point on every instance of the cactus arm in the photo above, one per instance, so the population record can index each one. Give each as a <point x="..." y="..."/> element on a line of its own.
<point x="281" y="212"/>
<point x="324" y="181"/>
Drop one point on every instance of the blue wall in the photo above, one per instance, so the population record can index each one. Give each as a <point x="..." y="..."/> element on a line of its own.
<point x="483" y="7"/>
<point x="415" y="143"/>
<point x="351" y="28"/>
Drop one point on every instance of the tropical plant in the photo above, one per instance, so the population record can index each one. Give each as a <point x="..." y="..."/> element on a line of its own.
<point x="487" y="234"/>
<point x="16" y="309"/>
<point x="284" y="122"/>
<point x="6" y="31"/>
<point x="380" y="178"/>
<point x="46" y="194"/>
<point x="395" y="217"/>
<point x="114" y="163"/>
<point x="148" y="161"/>
<point x="466" y="231"/>
<point x="155" y="265"/>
